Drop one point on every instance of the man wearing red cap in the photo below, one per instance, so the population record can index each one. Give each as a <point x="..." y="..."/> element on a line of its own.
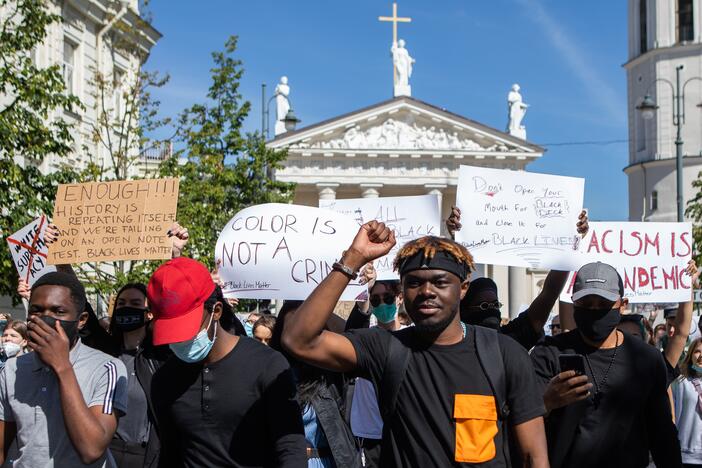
<point x="223" y="400"/>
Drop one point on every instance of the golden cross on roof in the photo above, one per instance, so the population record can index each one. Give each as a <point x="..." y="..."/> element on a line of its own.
<point x="394" y="19"/>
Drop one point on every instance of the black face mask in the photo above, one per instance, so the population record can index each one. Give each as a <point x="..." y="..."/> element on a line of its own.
<point x="129" y="318"/>
<point x="69" y="326"/>
<point x="488" y="318"/>
<point x="596" y="324"/>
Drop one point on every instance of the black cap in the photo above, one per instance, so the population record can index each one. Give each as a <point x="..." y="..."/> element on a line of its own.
<point x="598" y="279"/>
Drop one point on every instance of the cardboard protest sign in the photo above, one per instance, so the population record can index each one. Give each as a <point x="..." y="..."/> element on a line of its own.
<point x="409" y="217"/>
<point x="650" y="257"/>
<point x="29" y="252"/>
<point x="107" y="221"/>
<point x="519" y="218"/>
<point x="281" y="251"/>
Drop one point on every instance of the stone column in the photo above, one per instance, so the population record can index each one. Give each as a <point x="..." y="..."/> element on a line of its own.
<point x="517" y="290"/>
<point x="370" y="190"/>
<point x="327" y="191"/>
<point x="438" y="190"/>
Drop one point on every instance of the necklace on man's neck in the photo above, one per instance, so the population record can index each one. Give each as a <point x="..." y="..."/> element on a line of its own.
<point x="599" y="386"/>
<point x="463" y="326"/>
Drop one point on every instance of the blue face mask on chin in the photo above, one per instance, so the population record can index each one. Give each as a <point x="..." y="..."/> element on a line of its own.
<point x="385" y="313"/>
<point x="196" y="349"/>
<point x="248" y="328"/>
<point x="697" y="369"/>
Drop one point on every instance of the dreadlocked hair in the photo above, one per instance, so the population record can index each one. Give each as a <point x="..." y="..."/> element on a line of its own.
<point x="429" y="245"/>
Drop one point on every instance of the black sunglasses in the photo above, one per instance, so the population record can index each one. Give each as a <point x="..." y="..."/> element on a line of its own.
<point x="387" y="298"/>
<point x="487" y="305"/>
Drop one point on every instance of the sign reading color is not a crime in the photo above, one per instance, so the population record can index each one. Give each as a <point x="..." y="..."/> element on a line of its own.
<point x="280" y="251"/>
<point x="120" y="220"/>
<point x="519" y="218"/>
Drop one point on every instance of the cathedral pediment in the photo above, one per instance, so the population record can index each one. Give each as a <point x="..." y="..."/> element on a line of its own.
<point x="403" y="125"/>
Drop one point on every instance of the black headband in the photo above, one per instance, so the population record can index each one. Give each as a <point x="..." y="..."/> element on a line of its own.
<point x="441" y="260"/>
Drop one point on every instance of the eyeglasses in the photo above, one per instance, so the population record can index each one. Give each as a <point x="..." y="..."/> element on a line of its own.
<point x="387" y="298"/>
<point x="487" y="305"/>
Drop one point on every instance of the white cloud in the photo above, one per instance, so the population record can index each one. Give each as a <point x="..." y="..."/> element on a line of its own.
<point x="604" y="94"/>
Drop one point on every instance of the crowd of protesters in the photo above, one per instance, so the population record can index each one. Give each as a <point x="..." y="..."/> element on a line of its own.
<point x="424" y="373"/>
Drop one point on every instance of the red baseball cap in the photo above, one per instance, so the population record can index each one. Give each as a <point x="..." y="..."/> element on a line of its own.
<point x="176" y="291"/>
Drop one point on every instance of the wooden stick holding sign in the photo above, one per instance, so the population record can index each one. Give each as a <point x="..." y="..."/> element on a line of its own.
<point x="120" y="220"/>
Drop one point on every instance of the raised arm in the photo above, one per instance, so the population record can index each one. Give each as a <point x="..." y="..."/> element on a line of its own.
<point x="304" y="335"/>
<point x="554" y="283"/>
<point x="682" y="321"/>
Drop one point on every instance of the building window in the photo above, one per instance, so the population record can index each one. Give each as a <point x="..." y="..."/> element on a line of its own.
<point x="118" y="93"/>
<point x="69" y="62"/>
<point x="684" y="20"/>
<point x="643" y="26"/>
<point x="640" y="133"/>
<point x="654" y="200"/>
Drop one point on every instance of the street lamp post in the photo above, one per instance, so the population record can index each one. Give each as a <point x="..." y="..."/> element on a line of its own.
<point x="290" y="119"/>
<point x="648" y="109"/>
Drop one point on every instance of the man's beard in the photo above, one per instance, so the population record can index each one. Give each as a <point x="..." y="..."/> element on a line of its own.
<point x="435" y="329"/>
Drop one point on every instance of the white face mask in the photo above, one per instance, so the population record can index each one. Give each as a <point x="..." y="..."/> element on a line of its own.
<point x="11" y="349"/>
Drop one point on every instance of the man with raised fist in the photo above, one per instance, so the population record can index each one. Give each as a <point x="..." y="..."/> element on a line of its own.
<point x="446" y="390"/>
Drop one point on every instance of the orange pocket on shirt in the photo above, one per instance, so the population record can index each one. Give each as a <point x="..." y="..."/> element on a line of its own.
<point x="476" y="428"/>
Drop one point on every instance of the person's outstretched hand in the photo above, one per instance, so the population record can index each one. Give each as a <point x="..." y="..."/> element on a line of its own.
<point x="373" y="241"/>
<point x="694" y="273"/>
<point x="180" y="237"/>
<point x="583" y="225"/>
<point x="453" y="223"/>
<point x="23" y="289"/>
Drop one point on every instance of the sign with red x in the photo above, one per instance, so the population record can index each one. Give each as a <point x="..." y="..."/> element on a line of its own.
<point x="29" y="250"/>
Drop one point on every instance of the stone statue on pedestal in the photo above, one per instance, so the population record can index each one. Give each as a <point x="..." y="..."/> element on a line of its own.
<point x="403" y="68"/>
<point x="282" y="104"/>
<point x="516" y="111"/>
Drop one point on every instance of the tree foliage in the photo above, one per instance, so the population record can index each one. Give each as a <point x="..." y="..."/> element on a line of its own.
<point x="31" y="102"/>
<point x="221" y="170"/>
<point x="694" y="213"/>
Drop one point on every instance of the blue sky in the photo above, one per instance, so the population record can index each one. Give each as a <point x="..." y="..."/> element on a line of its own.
<point x="566" y="56"/>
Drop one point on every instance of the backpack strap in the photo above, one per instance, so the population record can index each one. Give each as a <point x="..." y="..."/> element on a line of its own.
<point x="489" y="354"/>
<point x="394" y="373"/>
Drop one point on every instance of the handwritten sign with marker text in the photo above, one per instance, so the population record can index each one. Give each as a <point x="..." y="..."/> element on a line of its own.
<point x="107" y="221"/>
<point x="409" y="217"/>
<point x="281" y="251"/>
<point x="29" y="251"/>
<point x="519" y="218"/>
<point x="651" y="258"/>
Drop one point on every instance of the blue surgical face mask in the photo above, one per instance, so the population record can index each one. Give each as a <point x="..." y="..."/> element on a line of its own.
<point x="196" y="349"/>
<point x="385" y="313"/>
<point x="697" y="369"/>
<point x="248" y="327"/>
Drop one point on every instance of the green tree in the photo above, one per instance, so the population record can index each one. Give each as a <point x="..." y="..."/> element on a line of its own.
<point x="694" y="212"/>
<point x="30" y="99"/>
<point x="221" y="170"/>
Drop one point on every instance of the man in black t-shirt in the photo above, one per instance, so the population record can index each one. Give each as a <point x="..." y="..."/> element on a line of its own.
<point x="437" y="403"/>
<point x="481" y="305"/>
<point x="618" y="411"/>
<point x="222" y="400"/>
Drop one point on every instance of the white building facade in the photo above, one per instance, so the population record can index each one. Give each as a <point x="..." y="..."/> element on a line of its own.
<point x="663" y="35"/>
<point x="82" y="45"/>
<point x="404" y="147"/>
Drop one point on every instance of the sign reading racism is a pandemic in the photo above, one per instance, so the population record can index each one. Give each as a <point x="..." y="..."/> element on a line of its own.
<point x="121" y="220"/>
<point x="651" y="258"/>
<point x="519" y="218"/>
<point x="281" y="251"/>
<point x="410" y="218"/>
<point x="29" y="251"/>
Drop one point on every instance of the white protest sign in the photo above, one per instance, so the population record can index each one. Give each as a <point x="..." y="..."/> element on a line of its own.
<point x="519" y="218"/>
<point x="410" y="218"/>
<point x="651" y="258"/>
<point x="29" y="252"/>
<point x="280" y="251"/>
